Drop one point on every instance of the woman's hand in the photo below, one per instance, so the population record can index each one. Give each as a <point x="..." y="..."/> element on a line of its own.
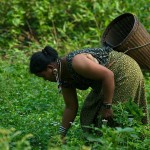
<point x="107" y="114"/>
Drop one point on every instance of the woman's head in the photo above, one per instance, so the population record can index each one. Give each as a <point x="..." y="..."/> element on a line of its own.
<point x="40" y="60"/>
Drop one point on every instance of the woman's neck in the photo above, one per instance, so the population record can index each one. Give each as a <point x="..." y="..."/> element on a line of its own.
<point x="65" y="75"/>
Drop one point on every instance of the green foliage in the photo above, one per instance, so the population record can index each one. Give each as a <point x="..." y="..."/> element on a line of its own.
<point x="120" y="138"/>
<point x="58" y="22"/>
<point x="28" y="102"/>
<point x="9" y="140"/>
<point x="128" y="114"/>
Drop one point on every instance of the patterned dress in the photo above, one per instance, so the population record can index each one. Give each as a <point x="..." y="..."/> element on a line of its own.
<point x="129" y="82"/>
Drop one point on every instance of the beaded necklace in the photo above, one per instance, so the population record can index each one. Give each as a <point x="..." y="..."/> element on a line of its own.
<point x="58" y="75"/>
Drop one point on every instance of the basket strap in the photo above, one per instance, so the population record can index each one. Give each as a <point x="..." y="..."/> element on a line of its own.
<point x="137" y="47"/>
<point x="111" y="63"/>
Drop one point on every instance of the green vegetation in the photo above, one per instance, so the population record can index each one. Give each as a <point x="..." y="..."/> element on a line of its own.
<point x="31" y="108"/>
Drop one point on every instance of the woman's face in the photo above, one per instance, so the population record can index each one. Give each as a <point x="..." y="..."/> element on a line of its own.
<point x="47" y="74"/>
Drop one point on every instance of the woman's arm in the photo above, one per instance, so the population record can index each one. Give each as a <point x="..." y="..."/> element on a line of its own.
<point x="91" y="70"/>
<point x="71" y="107"/>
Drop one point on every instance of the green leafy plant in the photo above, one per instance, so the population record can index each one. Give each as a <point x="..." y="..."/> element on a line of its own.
<point x="128" y="114"/>
<point x="9" y="140"/>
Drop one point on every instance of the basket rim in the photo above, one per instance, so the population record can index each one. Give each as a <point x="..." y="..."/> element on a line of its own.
<point x="114" y="21"/>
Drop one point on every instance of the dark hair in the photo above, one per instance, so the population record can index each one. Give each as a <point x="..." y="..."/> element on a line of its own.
<point x="40" y="60"/>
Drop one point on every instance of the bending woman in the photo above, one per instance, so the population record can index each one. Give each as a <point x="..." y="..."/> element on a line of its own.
<point x="113" y="76"/>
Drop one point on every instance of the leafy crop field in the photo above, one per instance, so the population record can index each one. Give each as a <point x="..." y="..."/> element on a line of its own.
<point x="31" y="108"/>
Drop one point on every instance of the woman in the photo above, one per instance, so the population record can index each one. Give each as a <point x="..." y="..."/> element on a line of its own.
<point x="113" y="76"/>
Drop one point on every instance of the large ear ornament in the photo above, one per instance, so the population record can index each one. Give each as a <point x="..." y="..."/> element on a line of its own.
<point x="55" y="71"/>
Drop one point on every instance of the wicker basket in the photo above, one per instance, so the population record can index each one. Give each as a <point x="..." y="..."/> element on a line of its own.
<point x="126" y="34"/>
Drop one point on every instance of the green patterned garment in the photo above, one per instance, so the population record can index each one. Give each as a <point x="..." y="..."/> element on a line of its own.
<point x="129" y="83"/>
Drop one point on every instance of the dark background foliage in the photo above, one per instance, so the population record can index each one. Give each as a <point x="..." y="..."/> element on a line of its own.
<point x="57" y="22"/>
